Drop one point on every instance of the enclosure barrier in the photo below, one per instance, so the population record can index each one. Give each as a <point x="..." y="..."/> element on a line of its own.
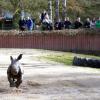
<point x="82" y="40"/>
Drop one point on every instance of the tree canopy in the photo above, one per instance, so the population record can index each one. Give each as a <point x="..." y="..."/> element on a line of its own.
<point x="83" y="8"/>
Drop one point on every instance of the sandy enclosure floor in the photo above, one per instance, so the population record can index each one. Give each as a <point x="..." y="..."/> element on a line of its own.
<point x="45" y="80"/>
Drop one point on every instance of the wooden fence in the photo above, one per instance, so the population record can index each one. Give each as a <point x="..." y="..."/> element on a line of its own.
<point x="62" y="42"/>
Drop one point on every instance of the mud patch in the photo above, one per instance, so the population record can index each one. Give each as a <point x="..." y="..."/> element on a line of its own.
<point x="33" y="83"/>
<point x="3" y="90"/>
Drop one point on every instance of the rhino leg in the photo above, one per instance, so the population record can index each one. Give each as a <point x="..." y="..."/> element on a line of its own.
<point x="11" y="81"/>
<point x="19" y="81"/>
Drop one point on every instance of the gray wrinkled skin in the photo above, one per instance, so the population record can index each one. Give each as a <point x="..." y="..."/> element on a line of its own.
<point x="14" y="72"/>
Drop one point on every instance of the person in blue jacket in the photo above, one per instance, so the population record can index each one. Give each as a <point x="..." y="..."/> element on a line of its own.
<point x="29" y="23"/>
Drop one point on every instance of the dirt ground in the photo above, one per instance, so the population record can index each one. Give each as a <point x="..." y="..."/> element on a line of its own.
<point x="46" y="80"/>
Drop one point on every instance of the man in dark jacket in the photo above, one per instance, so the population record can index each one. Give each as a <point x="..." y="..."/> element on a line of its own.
<point x="78" y="23"/>
<point x="67" y="23"/>
<point x="59" y="25"/>
<point x="22" y="24"/>
<point x="87" y="23"/>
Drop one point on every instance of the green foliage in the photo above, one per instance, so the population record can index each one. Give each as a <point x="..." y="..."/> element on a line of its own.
<point x="65" y="59"/>
<point x="83" y="8"/>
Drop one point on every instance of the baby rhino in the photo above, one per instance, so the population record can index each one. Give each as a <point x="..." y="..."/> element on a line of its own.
<point x="15" y="72"/>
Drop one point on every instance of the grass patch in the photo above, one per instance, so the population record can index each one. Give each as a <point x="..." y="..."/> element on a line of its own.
<point x="66" y="58"/>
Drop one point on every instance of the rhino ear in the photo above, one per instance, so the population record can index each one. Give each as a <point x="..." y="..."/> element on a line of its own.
<point x="11" y="58"/>
<point x="19" y="57"/>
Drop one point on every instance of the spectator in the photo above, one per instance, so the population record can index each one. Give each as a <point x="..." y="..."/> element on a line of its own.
<point x="42" y="16"/>
<point x="78" y="23"/>
<point x="29" y="23"/>
<point x="98" y="23"/>
<point x="22" y="24"/>
<point x="87" y="23"/>
<point x="67" y="23"/>
<point x="93" y="23"/>
<point x="47" y="23"/>
<point x="59" y="25"/>
<point x="34" y="25"/>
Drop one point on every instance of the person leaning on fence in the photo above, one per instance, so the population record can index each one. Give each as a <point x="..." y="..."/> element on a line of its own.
<point x="78" y="23"/>
<point x="93" y="23"/>
<point x="87" y="23"/>
<point x="22" y="24"/>
<point x="34" y="24"/>
<point x="47" y="23"/>
<point x="98" y="23"/>
<point x="67" y="23"/>
<point x="59" y="25"/>
<point x="29" y="24"/>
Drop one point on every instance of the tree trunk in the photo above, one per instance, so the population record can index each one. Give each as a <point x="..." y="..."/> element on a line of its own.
<point x="64" y="9"/>
<point x="22" y="8"/>
<point x="57" y="11"/>
<point x="50" y="9"/>
<point x="0" y="11"/>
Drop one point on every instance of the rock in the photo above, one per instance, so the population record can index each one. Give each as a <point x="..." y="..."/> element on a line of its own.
<point x="84" y="62"/>
<point x="94" y="63"/>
